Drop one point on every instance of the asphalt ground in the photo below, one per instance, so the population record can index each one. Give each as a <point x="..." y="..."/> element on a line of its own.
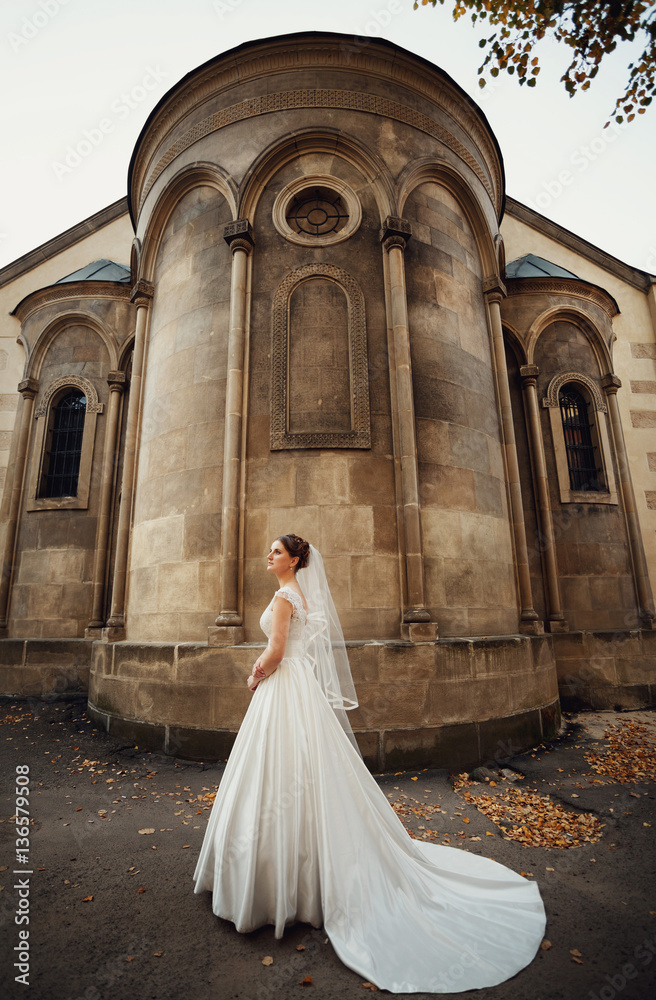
<point x="111" y="908"/>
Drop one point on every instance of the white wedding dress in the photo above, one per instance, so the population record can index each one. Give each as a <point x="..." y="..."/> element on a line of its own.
<point x="300" y="831"/>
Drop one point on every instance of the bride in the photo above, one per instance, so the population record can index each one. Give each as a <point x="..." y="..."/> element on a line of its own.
<point x="300" y="831"/>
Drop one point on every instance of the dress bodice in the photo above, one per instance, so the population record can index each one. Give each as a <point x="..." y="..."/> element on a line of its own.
<point x="297" y="622"/>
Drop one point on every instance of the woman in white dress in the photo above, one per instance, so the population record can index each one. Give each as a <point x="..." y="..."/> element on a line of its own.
<point x="300" y="831"/>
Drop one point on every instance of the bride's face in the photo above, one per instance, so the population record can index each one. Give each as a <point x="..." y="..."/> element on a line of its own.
<point x="279" y="560"/>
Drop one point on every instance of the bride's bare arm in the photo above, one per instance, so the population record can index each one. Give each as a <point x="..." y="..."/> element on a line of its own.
<point x="273" y="654"/>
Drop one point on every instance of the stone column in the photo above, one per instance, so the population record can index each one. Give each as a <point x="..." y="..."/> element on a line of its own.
<point x="228" y="629"/>
<point x="611" y="383"/>
<point x="416" y="624"/>
<point x="556" y="622"/>
<point x="528" y="619"/>
<point x="28" y="389"/>
<point x="116" y="381"/>
<point x="142" y="294"/>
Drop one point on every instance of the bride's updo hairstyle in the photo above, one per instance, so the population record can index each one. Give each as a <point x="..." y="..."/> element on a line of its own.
<point x="297" y="546"/>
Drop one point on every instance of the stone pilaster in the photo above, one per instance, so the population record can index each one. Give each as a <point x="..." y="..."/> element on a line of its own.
<point x="28" y="389"/>
<point x="228" y="628"/>
<point x="528" y="620"/>
<point x="117" y="382"/>
<point x="556" y="621"/>
<point x="142" y="294"/>
<point x="416" y="623"/>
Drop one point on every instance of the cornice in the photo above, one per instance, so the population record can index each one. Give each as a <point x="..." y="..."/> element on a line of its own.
<point x="564" y="286"/>
<point x="373" y="58"/>
<point x="70" y="290"/>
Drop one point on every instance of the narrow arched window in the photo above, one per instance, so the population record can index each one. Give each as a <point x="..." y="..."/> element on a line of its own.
<point x="61" y="459"/>
<point x="582" y="461"/>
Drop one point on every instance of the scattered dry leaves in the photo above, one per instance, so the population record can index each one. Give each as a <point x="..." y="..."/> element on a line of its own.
<point x="267" y="960"/>
<point x="631" y="754"/>
<point x="532" y="819"/>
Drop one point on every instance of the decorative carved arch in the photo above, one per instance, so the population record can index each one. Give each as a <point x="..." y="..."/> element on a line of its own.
<point x="51" y="332"/>
<point x="580" y="319"/>
<point x="304" y="142"/>
<point x="558" y="381"/>
<point x="75" y="382"/>
<point x="198" y="175"/>
<point x="443" y="173"/>
<point x="360" y="434"/>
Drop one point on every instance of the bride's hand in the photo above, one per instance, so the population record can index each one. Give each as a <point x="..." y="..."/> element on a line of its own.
<point x="252" y="683"/>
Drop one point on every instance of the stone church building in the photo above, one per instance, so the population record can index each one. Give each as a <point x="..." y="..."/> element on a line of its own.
<point x="318" y="311"/>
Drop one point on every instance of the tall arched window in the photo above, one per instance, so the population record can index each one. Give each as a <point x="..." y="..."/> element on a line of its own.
<point x="582" y="460"/>
<point x="61" y="460"/>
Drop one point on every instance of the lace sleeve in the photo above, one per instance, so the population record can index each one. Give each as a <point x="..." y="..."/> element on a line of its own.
<point x="298" y="611"/>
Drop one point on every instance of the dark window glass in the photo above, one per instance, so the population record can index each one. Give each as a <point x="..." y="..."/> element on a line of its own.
<point x="316" y="212"/>
<point x="584" y="473"/>
<point x="61" y="465"/>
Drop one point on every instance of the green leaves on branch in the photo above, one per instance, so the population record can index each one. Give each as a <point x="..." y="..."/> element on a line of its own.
<point x="592" y="30"/>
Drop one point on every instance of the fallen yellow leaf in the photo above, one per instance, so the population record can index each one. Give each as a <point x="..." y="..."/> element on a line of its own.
<point x="267" y="960"/>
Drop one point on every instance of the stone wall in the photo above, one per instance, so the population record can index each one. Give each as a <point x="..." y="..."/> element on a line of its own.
<point x="467" y="547"/>
<point x="173" y="587"/>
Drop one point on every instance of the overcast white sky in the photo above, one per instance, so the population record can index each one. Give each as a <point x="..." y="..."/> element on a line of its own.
<point x="65" y="65"/>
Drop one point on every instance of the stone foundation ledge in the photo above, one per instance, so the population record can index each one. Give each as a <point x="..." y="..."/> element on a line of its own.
<point x="460" y="746"/>
<point x="44" y="668"/>
<point x="447" y="703"/>
<point x="606" y="669"/>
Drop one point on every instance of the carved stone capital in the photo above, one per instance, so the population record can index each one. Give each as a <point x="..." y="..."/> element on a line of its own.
<point x="494" y="289"/>
<point x="529" y="374"/>
<point x="142" y="292"/>
<point x="239" y="235"/>
<point x="395" y="232"/>
<point x="610" y="384"/>
<point x="28" y="388"/>
<point x="117" y="381"/>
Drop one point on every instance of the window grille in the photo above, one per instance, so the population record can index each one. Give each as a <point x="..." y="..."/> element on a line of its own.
<point x="61" y="466"/>
<point x="317" y="212"/>
<point x="584" y="473"/>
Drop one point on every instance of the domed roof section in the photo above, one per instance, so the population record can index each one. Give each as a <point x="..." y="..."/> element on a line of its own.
<point x="99" y="270"/>
<point x="530" y="266"/>
<point x="316" y="76"/>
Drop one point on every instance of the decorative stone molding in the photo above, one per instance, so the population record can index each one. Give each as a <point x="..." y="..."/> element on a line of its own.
<point x="600" y="435"/>
<point x="282" y="202"/>
<point x="360" y="434"/>
<point x="29" y="387"/>
<point x="93" y="408"/>
<point x="292" y="100"/>
<point x="558" y="381"/>
<point x="141" y="292"/>
<point x="395" y="232"/>
<point x="564" y="286"/>
<point x="70" y="290"/>
<point x="239" y="235"/>
<point x="75" y="382"/>
<point x="254" y="61"/>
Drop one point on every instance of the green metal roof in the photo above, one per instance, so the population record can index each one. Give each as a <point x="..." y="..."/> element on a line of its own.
<point x="530" y="266"/>
<point x="99" y="270"/>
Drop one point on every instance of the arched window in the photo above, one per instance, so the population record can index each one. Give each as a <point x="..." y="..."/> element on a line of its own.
<point x="582" y="460"/>
<point x="61" y="459"/>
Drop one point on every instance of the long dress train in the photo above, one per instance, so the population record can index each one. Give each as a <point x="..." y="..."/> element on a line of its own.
<point x="300" y="831"/>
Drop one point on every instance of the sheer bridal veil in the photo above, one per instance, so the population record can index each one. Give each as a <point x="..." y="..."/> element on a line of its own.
<point x="325" y="646"/>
